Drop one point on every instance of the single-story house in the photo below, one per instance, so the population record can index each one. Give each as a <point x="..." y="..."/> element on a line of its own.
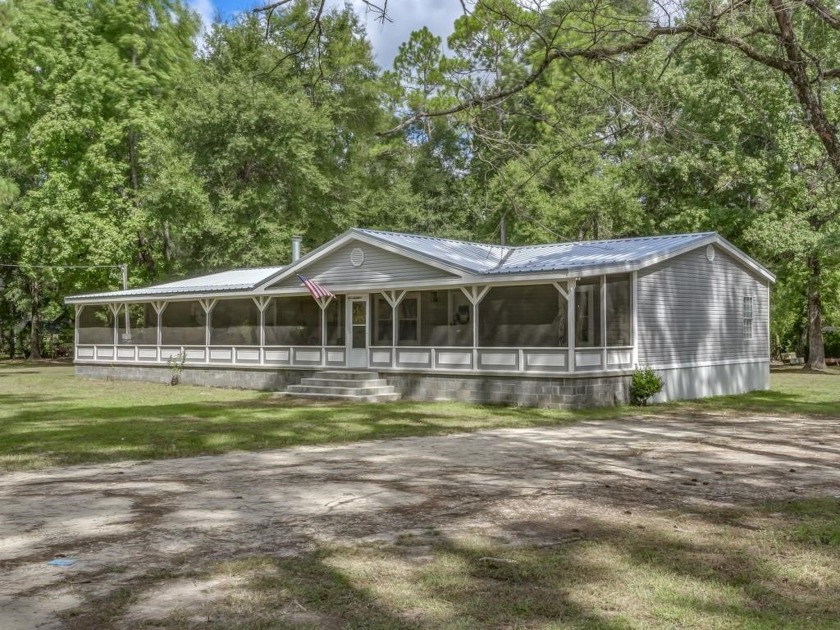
<point x="560" y="324"/>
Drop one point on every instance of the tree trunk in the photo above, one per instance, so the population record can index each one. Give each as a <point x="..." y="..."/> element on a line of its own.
<point x="816" y="349"/>
<point x="34" y="324"/>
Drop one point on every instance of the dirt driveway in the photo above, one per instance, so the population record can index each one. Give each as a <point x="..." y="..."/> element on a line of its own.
<point x="122" y="521"/>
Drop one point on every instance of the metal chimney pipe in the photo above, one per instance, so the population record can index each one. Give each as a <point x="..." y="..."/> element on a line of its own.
<point x="296" y="240"/>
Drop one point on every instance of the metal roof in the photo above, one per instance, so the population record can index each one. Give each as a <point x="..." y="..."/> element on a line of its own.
<point x="234" y="280"/>
<point x="473" y="257"/>
<point x="484" y="259"/>
<point x="476" y="259"/>
<point x="585" y="254"/>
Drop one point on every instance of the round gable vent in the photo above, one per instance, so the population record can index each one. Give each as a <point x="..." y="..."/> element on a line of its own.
<point x="357" y="257"/>
<point x="710" y="252"/>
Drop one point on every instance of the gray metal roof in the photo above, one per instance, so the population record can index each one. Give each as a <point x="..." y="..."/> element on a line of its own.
<point x="476" y="259"/>
<point x="586" y="254"/>
<point x="233" y="280"/>
<point x="481" y="259"/>
<point x="473" y="257"/>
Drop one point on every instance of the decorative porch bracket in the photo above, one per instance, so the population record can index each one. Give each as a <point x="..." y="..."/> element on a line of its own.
<point x="207" y="305"/>
<point x="394" y="298"/>
<point x="115" y="311"/>
<point x="475" y="294"/>
<point x="262" y="302"/>
<point x="159" y="307"/>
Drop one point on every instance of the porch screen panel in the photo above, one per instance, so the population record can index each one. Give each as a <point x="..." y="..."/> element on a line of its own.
<point x="96" y="325"/>
<point x="293" y="321"/>
<point x="445" y="318"/>
<point x="523" y="316"/>
<point x="335" y="322"/>
<point x="183" y="324"/>
<point x="235" y="323"/>
<point x="382" y="322"/>
<point x="588" y="313"/>
<point x="619" y="311"/>
<point x="142" y="325"/>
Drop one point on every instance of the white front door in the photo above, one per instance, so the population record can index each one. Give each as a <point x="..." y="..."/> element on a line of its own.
<point x="357" y="331"/>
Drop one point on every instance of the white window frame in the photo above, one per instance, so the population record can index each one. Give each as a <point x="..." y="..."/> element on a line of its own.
<point x="748" y="312"/>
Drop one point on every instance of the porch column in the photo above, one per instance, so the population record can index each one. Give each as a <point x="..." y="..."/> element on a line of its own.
<point x="159" y="307"/>
<point x="208" y="306"/>
<point x="475" y="294"/>
<point x="79" y="308"/>
<point x="394" y="298"/>
<point x="634" y="320"/>
<point x="571" y="285"/>
<point x="324" y="303"/>
<point x="262" y="305"/>
<point x="115" y="311"/>
<point x="603" y="288"/>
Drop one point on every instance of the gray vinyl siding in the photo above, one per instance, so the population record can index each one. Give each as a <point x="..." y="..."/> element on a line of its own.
<point x="691" y="310"/>
<point x="379" y="267"/>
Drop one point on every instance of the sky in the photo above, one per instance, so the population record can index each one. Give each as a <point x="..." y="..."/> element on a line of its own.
<point x="407" y="16"/>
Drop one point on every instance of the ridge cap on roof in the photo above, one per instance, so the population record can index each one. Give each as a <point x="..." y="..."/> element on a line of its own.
<point x="510" y="248"/>
<point x="435" y="238"/>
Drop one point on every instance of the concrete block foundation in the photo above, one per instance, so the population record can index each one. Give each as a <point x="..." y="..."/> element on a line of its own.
<point x="519" y="390"/>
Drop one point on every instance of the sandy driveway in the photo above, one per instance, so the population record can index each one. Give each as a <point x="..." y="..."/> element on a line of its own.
<point x="122" y="521"/>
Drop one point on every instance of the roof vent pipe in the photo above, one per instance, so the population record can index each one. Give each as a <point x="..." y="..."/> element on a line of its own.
<point x="296" y="240"/>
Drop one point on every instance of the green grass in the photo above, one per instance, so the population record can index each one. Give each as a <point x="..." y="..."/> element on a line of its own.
<point x="48" y="417"/>
<point x="748" y="571"/>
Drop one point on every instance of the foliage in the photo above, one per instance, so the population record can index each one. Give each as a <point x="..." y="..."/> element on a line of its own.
<point x="176" y="365"/>
<point x="645" y="383"/>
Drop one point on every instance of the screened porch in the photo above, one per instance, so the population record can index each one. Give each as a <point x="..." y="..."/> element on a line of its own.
<point x="584" y="325"/>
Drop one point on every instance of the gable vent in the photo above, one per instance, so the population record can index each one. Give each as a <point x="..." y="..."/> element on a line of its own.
<point x="357" y="257"/>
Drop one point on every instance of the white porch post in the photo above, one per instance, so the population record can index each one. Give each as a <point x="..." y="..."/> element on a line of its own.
<point x="634" y="320"/>
<point x="604" y="322"/>
<point x="208" y="306"/>
<point x="394" y="298"/>
<point x="262" y="306"/>
<point x="159" y="307"/>
<point x="115" y="311"/>
<point x="324" y="303"/>
<point x="79" y="308"/>
<point x="570" y="316"/>
<point x="475" y="294"/>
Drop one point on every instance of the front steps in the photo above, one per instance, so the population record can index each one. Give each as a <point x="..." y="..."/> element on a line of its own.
<point x="344" y="385"/>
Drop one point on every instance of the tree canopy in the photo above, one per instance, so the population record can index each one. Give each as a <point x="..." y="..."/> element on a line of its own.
<point x="126" y="139"/>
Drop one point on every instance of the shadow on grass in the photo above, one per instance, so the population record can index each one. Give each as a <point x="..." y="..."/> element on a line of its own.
<point x="607" y="576"/>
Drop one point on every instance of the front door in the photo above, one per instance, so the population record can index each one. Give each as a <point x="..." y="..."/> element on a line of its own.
<point x="357" y="331"/>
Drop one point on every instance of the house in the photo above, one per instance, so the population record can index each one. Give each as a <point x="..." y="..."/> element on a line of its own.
<point x="548" y="325"/>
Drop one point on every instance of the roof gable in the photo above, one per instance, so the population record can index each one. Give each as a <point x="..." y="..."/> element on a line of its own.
<point x="360" y="263"/>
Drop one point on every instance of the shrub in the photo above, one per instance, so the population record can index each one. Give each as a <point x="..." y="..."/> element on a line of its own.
<point x="644" y="384"/>
<point x="176" y="364"/>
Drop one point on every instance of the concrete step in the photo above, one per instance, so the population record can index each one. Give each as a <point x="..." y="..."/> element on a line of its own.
<point x="346" y="375"/>
<point x="340" y="382"/>
<point x="347" y="397"/>
<point x="333" y="390"/>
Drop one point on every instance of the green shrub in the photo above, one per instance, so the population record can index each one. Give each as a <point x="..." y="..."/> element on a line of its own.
<point x="644" y="384"/>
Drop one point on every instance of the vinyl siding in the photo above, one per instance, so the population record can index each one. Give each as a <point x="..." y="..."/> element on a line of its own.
<point x="691" y="310"/>
<point x="379" y="267"/>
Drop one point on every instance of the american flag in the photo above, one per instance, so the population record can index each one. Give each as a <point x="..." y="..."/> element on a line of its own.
<point x="315" y="290"/>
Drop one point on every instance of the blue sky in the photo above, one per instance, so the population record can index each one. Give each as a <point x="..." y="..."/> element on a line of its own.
<point x="407" y="16"/>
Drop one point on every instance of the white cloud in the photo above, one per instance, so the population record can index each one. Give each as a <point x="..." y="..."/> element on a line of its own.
<point x="407" y="16"/>
<point x="206" y="11"/>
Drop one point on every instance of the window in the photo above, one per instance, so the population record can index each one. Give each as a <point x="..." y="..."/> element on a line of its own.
<point x="383" y="322"/>
<point x="335" y="321"/>
<point x="408" y="321"/>
<point x="588" y="313"/>
<point x="748" y="317"/>
<point x="619" y="311"/>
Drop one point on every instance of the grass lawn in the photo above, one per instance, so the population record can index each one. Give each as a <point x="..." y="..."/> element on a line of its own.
<point x="48" y="417"/>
